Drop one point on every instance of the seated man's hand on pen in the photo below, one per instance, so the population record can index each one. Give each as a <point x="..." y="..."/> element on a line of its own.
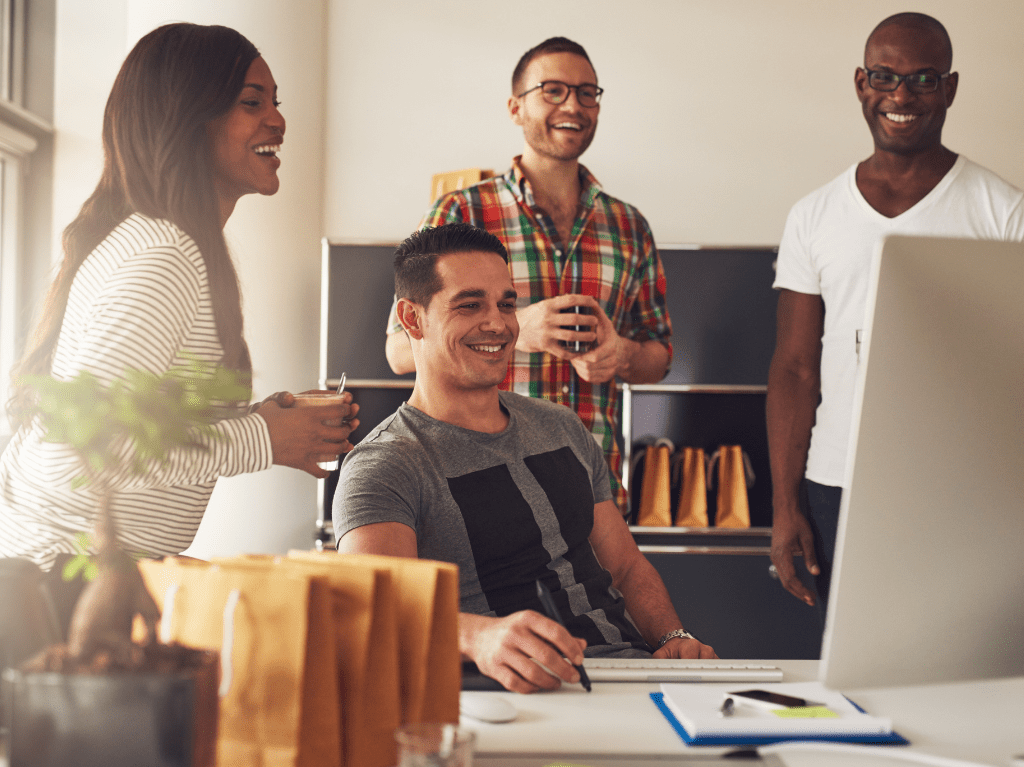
<point x="681" y="647"/>
<point x="513" y="650"/>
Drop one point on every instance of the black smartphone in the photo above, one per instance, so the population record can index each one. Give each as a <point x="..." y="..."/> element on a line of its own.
<point x="770" y="699"/>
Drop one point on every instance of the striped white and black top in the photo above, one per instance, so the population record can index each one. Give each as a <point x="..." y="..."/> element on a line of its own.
<point x="140" y="301"/>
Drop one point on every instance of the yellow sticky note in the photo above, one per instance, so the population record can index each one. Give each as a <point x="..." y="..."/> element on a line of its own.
<point x="806" y="712"/>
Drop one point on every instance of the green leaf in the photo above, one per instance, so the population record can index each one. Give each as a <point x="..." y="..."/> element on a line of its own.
<point x="155" y="414"/>
<point x="73" y="566"/>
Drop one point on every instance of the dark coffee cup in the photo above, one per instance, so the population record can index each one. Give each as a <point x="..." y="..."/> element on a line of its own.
<point x="576" y="346"/>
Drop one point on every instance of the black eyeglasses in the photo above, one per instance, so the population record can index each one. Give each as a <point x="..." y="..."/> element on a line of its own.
<point x="890" y="81"/>
<point x="555" y="92"/>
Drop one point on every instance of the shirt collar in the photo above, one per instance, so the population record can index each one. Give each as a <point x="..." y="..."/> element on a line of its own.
<point x="590" y="187"/>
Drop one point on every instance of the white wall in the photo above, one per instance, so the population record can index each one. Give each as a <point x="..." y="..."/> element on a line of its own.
<point x="275" y="241"/>
<point x="697" y="128"/>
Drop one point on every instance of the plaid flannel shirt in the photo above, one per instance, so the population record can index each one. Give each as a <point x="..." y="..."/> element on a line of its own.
<point x="612" y="257"/>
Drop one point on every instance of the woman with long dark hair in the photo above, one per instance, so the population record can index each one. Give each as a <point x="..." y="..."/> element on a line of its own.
<point x="191" y="125"/>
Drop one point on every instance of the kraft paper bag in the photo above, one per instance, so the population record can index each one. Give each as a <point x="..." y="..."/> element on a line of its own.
<point x="690" y="466"/>
<point x="427" y="595"/>
<point x="279" y="696"/>
<point x="364" y="625"/>
<point x="734" y="476"/>
<point x="656" y="490"/>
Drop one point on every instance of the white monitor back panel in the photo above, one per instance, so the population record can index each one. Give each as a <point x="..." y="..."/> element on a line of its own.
<point x="929" y="577"/>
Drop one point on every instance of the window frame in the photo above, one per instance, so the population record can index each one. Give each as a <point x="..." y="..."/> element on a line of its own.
<point x="27" y="38"/>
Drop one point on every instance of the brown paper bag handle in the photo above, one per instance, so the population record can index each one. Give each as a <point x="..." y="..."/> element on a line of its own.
<point x="748" y="469"/>
<point x="642" y="451"/>
<point x="228" y="636"/>
<point x="228" y="641"/>
<point x="677" y="463"/>
<point x="634" y="461"/>
<point x="168" y="613"/>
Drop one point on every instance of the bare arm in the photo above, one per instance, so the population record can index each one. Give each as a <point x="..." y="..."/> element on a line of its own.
<point x="389" y="538"/>
<point x="794" y="386"/>
<point x="502" y="648"/>
<point x="398" y="351"/>
<point x="646" y="598"/>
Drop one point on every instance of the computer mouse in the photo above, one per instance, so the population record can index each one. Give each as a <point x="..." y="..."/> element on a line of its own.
<point x="486" y="706"/>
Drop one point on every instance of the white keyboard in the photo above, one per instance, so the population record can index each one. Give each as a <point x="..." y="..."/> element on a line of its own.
<point x="671" y="670"/>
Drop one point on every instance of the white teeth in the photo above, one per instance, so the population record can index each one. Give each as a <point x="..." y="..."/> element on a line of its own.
<point x="271" y="149"/>
<point x="490" y="349"/>
<point x="899" y="118"/>
<point x="571" y="126"/>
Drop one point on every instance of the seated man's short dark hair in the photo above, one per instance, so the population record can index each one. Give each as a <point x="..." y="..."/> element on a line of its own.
<point x="551" y="45"/>
<point x="415" y="273"/>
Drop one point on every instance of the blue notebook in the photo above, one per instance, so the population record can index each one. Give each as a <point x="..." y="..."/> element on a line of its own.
<point x="737" y="739"/>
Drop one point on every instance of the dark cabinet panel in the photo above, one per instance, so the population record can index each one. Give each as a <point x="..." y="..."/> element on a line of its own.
<point x="729" y="601"/>
<point x="723" y="314"/>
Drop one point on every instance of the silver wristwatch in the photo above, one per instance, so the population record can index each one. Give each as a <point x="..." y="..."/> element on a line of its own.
<point x="681" y="633"/>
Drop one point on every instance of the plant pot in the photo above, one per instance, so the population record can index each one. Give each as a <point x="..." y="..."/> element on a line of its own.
<point x="110" y="720"/>
<point x="28" y="621"/>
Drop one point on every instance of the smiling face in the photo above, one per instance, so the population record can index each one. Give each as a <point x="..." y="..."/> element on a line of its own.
<point x="562" y="131"/>
<point x="900" y="121"/>
<point x="467" y="333"/>
<point x="245" y="141"/>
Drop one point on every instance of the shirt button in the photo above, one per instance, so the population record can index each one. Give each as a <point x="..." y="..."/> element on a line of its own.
<point x="565" y="390"/>
<point x="558" y="252"/>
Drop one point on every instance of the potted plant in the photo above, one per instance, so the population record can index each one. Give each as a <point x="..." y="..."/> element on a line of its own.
<point x="103" y="698"/>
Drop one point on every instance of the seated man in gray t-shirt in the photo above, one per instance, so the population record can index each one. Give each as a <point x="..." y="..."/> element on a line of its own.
<point x="511" y="489"/>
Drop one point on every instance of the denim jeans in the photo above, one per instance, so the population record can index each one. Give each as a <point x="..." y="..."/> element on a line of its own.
<point x="822" y="510"/>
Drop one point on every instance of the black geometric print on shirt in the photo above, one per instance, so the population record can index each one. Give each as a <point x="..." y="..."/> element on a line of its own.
<point x="567" y="485"/>
<point x="507" y="544"/>
<point x="503" y="535"/>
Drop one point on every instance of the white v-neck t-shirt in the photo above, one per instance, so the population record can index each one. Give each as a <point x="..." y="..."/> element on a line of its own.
<point x="826" y="250"/>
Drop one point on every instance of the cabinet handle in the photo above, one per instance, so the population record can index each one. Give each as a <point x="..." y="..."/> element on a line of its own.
<point x="748" y="551"/>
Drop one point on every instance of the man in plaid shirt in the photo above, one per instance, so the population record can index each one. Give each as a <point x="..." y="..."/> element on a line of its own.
<point x="572" y="248"/>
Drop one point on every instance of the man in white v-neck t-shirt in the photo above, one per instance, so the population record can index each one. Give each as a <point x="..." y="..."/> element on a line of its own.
<point x="911" y="184"/>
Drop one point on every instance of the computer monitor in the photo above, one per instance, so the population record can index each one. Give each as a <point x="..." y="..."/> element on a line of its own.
<point x="929" y="578"/>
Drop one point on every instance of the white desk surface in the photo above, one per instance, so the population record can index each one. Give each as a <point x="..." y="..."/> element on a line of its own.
<point x="618" y="724"/>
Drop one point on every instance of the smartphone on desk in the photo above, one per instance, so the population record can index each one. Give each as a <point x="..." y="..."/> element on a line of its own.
<point x="769" y="700"/>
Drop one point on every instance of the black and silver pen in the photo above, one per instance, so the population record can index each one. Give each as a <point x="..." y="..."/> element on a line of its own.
<point x="549" y="607"/>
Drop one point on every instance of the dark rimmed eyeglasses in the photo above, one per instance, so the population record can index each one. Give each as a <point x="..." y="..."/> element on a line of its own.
<point x="555" y="92"/>
<point x="918" y="83"/>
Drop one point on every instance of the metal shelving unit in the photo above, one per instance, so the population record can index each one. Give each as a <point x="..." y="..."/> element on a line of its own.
<point x="628" y="390"/>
